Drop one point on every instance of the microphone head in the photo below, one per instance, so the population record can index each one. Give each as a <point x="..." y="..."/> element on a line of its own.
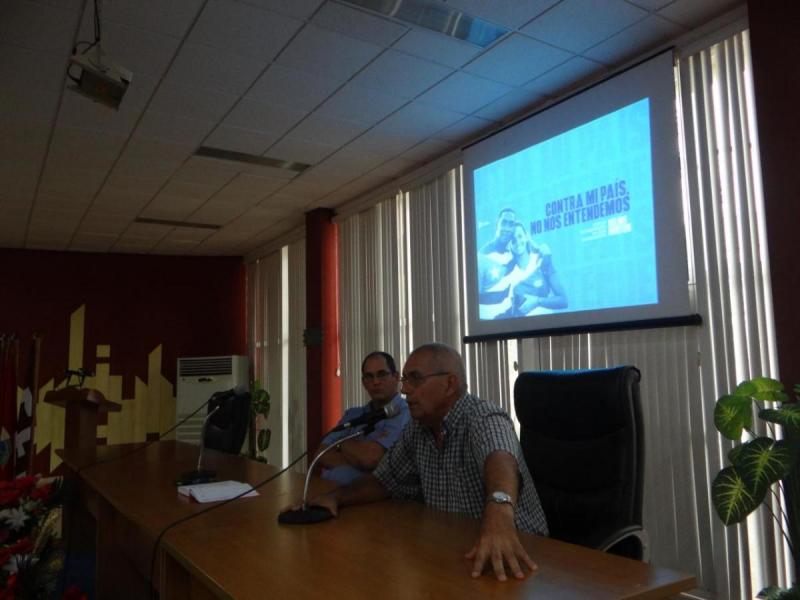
<point x="391" y="410"/>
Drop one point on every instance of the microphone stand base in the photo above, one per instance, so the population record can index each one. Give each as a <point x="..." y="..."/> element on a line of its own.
<point x="194" y="477"/>
<point x="305" y="516"/>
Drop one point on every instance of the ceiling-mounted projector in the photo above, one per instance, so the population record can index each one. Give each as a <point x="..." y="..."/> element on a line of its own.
<point x="100" y="79"/>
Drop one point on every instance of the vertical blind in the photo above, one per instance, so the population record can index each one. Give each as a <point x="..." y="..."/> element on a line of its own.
<point x="401" y="284"/>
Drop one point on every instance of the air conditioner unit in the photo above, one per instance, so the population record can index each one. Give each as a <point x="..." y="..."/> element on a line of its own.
<point x="198" y="379"/>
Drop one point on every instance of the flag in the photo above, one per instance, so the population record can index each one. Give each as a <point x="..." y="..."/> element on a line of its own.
<point x="23" y="438"/>
<point x="8" y="405"/>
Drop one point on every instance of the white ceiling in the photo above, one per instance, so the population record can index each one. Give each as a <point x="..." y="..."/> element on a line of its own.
<point x="362" y="98"/>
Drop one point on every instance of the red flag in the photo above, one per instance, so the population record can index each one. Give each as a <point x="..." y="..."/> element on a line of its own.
<point x="23" y="438"/>
<point x="8" y="406"/>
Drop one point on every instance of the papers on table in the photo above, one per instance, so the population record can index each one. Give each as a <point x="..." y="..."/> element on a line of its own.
<point x="217" y="490"/>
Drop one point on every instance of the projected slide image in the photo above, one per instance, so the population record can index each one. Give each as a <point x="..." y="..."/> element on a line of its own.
<point x="567" y="224"/>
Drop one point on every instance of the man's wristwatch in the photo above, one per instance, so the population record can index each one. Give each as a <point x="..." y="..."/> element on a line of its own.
<point x="501" y="498"/>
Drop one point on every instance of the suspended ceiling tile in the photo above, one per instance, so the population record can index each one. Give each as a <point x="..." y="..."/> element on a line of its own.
<point x="48" y="242"/>
<point x="255" y="185"/>
<point x="395" y="167"/>
<point x="191" y="234"/>
<point x="170" y="18"/>
<point x="386" y="141"/>
<point x="442" y="49"/>
<point x="260" y="116"/>
<point x="206" y="67"/>
<point x="244" y="29"/>
<point x="50" y="201"/>
<point x="209" y="172"/>
<point x="516" y="60"/>
<point x="651" y="4"/>
<point x="135" y="183"/>
<point x="509" y="14"/>
<point x="195" y="103"/>
<point x="355" y="160"/>
<point x="217" y="213"/>
<point x="188" y="190"/>
<point x="121" y="201"/>
<point x="140" y="51"/>
<point x="86" y="241"/>
<point x="27" y="25"/>
<point x="644" y="35"/>
<point x="81" y="184"/>
<point x="576" y="25"/>
<point x="401" y="74"/>
<point x="305" y="190"/>
<point x="358" y="24"/>
<point x="134" y="245"/>
<point x="237" y="139"/>
<point x="23" y="140"/>
<point x="428" y="150"/>
<point x="566" y="76"/>
<point x="359" y="104"/>
<point x="19" y="180"/>
<point x="84" y="149"/>
<point x="37" y="69"/>
<point x="327" y="178"/>
<point x="99" y="221"/>
<point x="28" y="103"/>
<point x="299" y="150"/>
<point x="170" y="208"/>
<point x="172" y="247"/>
<point x="465" y="130"/>
<point x="173" y="129"/>
<point x="464" y="93"/>
<point x="292" y="88"/>
<point x="517" y="101"/>
<point x="80" y="112"/>
<point x="317" y="50"/>
<point x="300" y="9"/>
<point x="419" y="117"/>
<point x="691" y="13"/>
<point x="328" y="130"/>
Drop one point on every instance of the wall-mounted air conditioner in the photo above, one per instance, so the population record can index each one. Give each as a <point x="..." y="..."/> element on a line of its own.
<point x="198" y="378"/>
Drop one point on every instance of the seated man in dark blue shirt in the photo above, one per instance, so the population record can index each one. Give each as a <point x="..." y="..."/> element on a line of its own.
<point x="353" y="458"/>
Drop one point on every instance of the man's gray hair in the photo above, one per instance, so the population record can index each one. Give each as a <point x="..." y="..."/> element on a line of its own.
<point x="446" y="358"/>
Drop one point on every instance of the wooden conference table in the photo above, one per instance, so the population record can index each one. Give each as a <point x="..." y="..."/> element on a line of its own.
<point x="387" y="549"/>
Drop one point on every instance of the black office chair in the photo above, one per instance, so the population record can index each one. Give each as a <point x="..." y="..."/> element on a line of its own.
<point x="581" y="435"/>
<point x="227" y="427"/>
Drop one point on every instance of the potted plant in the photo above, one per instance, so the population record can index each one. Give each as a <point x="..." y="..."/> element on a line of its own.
<point x="260" y="432"/>
<point x="760" y="464"/>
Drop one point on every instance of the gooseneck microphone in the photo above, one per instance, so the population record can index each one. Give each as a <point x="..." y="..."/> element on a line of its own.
<point x="200" y="475"/>
<point x="306" y="514"/>
<point x="370" y="418"/>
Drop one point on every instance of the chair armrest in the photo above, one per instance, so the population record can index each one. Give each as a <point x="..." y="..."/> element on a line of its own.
<point x="628" y="540"/>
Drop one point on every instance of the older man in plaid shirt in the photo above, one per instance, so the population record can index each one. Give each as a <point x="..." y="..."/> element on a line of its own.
<point x="459" y="454"/>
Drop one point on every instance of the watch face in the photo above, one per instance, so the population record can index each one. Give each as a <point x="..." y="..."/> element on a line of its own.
<point x="501" y="498"/>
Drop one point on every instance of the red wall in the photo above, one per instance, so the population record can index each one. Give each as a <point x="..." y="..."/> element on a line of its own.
<point x="775" y="44"/>
<point x="193" y="306"/>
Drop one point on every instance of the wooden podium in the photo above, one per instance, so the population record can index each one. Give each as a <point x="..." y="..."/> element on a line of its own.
<point x="81" y="406"/>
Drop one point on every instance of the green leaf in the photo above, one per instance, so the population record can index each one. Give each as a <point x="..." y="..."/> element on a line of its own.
<point x="762" y="388"/>
<point x="787" y="415"/>
<point x="263" y="439"/>
<point x="761" y="462"/>
<point x="733" y="455"/>
<point x="731" y="496"/>
<point x="776" y="593"/>
<point x="732" y="414"/>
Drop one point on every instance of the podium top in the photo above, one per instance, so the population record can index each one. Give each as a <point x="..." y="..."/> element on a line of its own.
<point x="87" y="396"/>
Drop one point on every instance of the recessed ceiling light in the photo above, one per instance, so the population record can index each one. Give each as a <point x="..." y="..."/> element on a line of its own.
<point x="176" y="223"/>
<point x="252" y="159"/>
<point x="438" y="17"/>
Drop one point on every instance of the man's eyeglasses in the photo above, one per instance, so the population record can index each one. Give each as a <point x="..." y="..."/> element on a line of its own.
<point x="379" y="376"/>
<point x="415" y="379"/>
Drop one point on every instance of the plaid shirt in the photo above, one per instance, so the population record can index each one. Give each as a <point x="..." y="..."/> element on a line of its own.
<point x="451" y="478"/>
